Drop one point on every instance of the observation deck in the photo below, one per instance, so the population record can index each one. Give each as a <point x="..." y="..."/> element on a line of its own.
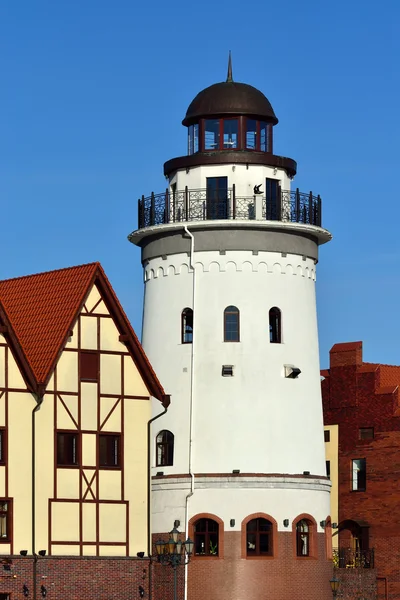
<point x="201" y="205"/>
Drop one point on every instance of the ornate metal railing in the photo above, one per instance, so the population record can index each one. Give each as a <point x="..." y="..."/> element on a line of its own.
<point x="203" y="205"/>
<point x="347" y="558"/>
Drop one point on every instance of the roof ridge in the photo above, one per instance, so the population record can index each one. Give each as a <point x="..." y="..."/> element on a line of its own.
<point x="90" y="264"/>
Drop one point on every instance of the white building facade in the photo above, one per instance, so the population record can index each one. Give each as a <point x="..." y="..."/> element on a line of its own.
<point x="229" y="253"/>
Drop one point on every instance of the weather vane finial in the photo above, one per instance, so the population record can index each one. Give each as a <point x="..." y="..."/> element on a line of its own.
<point x="229" y="77"/>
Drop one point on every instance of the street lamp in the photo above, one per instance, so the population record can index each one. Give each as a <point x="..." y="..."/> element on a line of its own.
<point x="335" y="585"/>
<point x="174" y="553"/>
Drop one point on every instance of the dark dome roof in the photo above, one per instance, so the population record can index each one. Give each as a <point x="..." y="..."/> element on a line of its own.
<point x="229" y="98"/>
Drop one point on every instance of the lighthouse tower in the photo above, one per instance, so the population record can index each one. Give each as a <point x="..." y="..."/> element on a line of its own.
<point x="229" y="253"/>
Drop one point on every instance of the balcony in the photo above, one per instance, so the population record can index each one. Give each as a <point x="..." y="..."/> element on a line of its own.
<point x="348" y="558"/>
<point x="202" y="205"/>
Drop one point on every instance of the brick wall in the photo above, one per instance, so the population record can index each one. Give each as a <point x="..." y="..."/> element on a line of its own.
<point x="357" y="584"/>
<point x="77" y="578"/>
<point x="357" y="395"/>
<point x="283" y="577"/>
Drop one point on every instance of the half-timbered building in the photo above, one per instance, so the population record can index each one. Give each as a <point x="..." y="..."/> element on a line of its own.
<point x="75" y="389"/>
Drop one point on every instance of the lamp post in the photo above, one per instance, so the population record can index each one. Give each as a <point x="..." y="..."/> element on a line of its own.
<point x="174" y="553"/>
<point x="335" y="585"/>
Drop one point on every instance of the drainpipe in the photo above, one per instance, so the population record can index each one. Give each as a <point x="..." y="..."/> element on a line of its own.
<point x="192" y="379"/>
<point x="39" y="400"/>
<point x="166" y="401"/>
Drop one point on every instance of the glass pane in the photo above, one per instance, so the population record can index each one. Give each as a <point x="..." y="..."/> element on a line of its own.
<point x="200" y="525"/>
<point x="251" y="543"/>
<point x="213" y="542"/>
<point x="264" y="525"/>
<point x="264" y="543"/>
<point x="211" y="134"/>
<point x="195" y="138"/>
<point x="3" y="526"/>
<point x="231" y="127"/>
<point x="231" y="326"/>
<point x="190" y="139"/>
<point x="217" y="197"/>
<point x="263" y="137"/>
<point x="251" y="134"/>
<point x="252" y="525"/>
<point x="199" y="543"/>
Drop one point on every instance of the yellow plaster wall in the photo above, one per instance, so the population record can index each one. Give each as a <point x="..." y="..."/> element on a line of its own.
<point x="15" y="379"/>
<point x="44" y="467"/>
<point x="112" y="522"/>
<point x="72" y="342"/>
<point x="89" y="523"/>
<point x="67" y="372"/>
<point x="69" y="550"/>
<point x="89" y="405"/>
<point x="110" y="484"/>
<point x="112" y="551"/>
<point x="110" y="374"/>
<point x="2" y="481"/>
<point x="65" y="521"/>
<point x="20" y="464"/>
<point x="2" y="363"/>
<point x="3" y="410"/>
<point x="113" y="423"/>
<point x="67" y="483"/>
<point x="88" y="332"/>
<point x="137" y="413"/>
<point x="64" y="421"/>
<point x="89" y="449"/>
<point x="332" y="454"/>
<point x="92" y="299"/>
<point x="109" y="336"/>
<point x="134" y="384"/>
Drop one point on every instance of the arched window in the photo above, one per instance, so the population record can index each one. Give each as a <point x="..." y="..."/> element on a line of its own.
<point x="231" y="324"/>
<point x="275" y="325"/>
<point x="187" y="326"/>
<point x="259" y="537"/>
<point x="303" y="538"/>
<point x="165" y="449"/>
<point x="206" y="537"/>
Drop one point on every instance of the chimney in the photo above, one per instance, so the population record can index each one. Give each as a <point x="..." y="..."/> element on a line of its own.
<point x="346" y="354"/>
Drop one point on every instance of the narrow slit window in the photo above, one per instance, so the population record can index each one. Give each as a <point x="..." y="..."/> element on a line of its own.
<point x="275" y="326"/>
<point x="231" y="324"/>
<point x="187" y="326"/>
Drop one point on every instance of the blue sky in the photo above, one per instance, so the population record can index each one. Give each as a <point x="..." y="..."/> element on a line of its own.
<point x="93" y="94"/>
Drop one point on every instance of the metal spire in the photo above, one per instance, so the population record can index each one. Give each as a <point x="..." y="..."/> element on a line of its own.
<point x="229" y="78"/>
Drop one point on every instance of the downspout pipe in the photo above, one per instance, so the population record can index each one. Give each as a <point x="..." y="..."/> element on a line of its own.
<point x="192" y="381"/>
<point x="166" y="402"/>
<point x="39" y="401"/>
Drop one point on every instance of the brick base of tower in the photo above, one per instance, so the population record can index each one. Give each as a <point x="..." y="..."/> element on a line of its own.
<point x="281" y="577"/>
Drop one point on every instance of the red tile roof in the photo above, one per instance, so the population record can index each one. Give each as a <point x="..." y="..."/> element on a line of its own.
<point x="41" y="309"/>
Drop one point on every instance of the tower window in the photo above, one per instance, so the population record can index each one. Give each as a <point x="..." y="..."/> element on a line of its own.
<point x="5" y="520"/>
<point x="259" y="537"/>
<point x="211" y="134"/>
<point x="231" y="128"/>
<point x="303" y="538"/>
<point x="327" y="435"/>
<point x="193" y="139"/>
<point x="206" y="537"/>
<point x="328" y="468"/>
<point x="187" y="326"/>
<point x="165" y="449"/>
<point x="275" y="325"/>
<point x="359" y="475"/>
<point x="231" y="324"/>
<point x="251" y="134"/>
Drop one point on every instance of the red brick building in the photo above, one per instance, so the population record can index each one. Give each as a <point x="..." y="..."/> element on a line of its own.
<point x="362" y="400"/>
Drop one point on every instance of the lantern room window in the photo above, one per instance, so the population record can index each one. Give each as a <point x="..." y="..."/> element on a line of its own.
<point x="193" y="139"/>
<point x="211" y="134"/>
<point x="231" y="130"/>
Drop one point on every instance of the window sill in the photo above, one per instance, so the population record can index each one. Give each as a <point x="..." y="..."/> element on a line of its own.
<point x="68" y="466"/>
<point x="260" y="557"/>
<point x="107" y="468"/>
